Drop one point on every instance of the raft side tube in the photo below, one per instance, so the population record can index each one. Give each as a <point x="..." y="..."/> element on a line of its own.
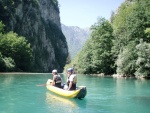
<point x="82" y="92"/>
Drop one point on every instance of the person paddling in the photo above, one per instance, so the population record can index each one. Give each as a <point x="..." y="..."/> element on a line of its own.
<point x="71" y="80"/>
<point x="56" y="79"/>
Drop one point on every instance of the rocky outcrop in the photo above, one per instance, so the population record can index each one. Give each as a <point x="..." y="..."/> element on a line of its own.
<point x="39" y="22"/>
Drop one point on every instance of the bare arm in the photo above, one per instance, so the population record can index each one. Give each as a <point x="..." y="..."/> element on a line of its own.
<point x="53" y="83"/>
<point x="70" y="85"/>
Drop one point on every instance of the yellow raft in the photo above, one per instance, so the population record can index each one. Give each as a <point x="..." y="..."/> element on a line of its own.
<point x="80" y="92"/>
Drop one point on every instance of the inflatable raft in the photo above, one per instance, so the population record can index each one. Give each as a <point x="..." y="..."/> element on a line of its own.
<point x="80" y="92"/>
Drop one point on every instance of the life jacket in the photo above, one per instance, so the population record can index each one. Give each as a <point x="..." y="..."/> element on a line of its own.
<point x="58" y="81"/>
<point x="73" y="84"/>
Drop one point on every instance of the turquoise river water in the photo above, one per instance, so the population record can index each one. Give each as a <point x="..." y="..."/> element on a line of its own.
<point x="20" y="93"/>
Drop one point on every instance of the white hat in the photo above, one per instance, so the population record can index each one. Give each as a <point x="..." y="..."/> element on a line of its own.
<point x="54" y="71"/>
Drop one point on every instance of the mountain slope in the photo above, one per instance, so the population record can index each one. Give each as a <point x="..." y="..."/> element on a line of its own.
<point x="75" y="37"/>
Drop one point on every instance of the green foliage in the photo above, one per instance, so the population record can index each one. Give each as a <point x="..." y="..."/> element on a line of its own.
<point x="120" y="27"/>
<point x="122" y="50"/>
<point x="11" y="45"/>
<point x="2" y="64"/>
<point x="95" y="56"/>
<point x="119" y="20"/>
<point x="102" y="43"/>
<point x="138" y="21"/>
<point x="1" y="27"/>
<point x="55" y="2"/>
<point x="30" y="24"/>
<point x="147" y="32"/>
<point x="7" y="7"/>
<point x="6" y="64"/>
<point x="130" y="24"/>
<point x="126" y="60"/>
<point x="84" y="58"/>
<point x="143" y="61"/>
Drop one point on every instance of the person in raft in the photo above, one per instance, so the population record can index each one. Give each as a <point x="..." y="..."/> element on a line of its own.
<point x="71" y="79"/>
<point x="56" y="79"/>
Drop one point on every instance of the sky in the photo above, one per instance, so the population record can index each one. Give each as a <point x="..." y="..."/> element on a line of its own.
<point x="84" y="13"/>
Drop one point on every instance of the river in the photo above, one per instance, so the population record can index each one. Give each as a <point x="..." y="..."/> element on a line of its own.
<point x="21" y="93"/>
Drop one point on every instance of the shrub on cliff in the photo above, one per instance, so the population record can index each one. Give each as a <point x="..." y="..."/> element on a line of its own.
<point x="6" y="64"/>
<point x="16" y="48"/>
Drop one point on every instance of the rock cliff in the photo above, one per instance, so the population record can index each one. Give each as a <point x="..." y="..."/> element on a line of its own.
<point x="39" y="22"/>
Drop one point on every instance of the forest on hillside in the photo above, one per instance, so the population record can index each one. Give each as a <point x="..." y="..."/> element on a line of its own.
<point x="120" y="45"/>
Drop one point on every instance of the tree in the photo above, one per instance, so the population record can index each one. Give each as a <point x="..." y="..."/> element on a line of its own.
<point x="6" y="64"/>
<point x="126" y="61"/>
<point x="84" y="58"/>
<point x="102" y="44"/>
<point x="143" y="61"/>
<point x="1" y="27"/>
<point x="120" y="27"/>
<point x="16" y="47"/>
<point x="95" y="56"/>
<point x="131" y="24"/>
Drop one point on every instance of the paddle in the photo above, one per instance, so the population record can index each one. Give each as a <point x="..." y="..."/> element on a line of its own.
<point x="41" y="85"/>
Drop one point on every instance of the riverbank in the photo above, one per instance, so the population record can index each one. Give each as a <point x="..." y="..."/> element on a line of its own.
<point x="120" y="76"/>
<point x="21" y="73"/>
<point x="99" y="75"/>
<point x="128" y="76"/>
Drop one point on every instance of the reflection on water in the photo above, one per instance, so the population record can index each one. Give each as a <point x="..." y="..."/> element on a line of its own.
<point x="57" y="100"/>
<point x="7" y="80"/>
<point x="64" y="104"/>
<point x="142" y="99"/>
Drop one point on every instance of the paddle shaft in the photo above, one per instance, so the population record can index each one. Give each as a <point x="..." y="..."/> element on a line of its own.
<point x="41" y="85"/>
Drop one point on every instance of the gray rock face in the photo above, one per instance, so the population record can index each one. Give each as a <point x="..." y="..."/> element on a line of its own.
<point x="39" y="22"/>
